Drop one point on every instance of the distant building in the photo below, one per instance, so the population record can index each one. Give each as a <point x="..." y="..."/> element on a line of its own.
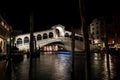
<point x="95" y="34"/>
<point x="113" y="28"/>
<point x="102" y="28"/>
<point x="5" y="30"/>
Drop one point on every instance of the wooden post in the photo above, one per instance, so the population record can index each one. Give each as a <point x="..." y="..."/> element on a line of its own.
<point x="31" y="48"/>
<point x="84" y="30"/>
<point x="9" y="62"/>
<point x="106" y="50"/>
<point x="73" y="53"/>
<point x="31" y="35"/>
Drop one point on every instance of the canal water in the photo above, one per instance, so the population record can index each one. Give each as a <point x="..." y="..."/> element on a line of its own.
<point x="58" y="67"/>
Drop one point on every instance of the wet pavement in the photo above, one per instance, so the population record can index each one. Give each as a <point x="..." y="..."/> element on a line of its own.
<point x="58" y="67"/>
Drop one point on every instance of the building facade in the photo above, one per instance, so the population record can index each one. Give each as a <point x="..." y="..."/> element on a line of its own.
<point x="103" y="28"/>
<point x="113" y="28"/>
<point x="96" y="34"/>
<point x="5" y="30"/>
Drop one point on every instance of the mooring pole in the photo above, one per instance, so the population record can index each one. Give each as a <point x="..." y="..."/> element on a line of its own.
<point x="84" y="32"/>
<point x="31" y="48"/>
<point x="106" y="50"/>
<point x="31" y="35"/>
<point x="73" y="53"/>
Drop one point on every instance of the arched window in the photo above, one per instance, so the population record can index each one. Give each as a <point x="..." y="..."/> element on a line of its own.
<point x="50" y="34"/>
<point x="66" y="35"/>
<point x="19" y="41"/>
<point x="58" y="32"/>
<point x="39" y="37"/>
<point x="45" y="36"/>
<point x="26" y="40"/>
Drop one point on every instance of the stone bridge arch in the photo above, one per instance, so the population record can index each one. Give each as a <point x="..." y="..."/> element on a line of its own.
<point x="59" y="30"/>
<point x="56" y="34"/>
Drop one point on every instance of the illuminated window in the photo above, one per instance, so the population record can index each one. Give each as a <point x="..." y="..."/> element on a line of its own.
<point x="19" y="41"/>
<point x="2" y="23"/>
<point x="96" y="41"/>
<point x="6" y="26"/>
<point x="26" y="40"/>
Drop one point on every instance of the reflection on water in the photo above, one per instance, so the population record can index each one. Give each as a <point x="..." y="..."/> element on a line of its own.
<point x="54" y="67"/>
<point x="47" y="67"/>
<point x="58" y="67"/>
<point x="99" y="68"/>
<point x="48" y="52"/>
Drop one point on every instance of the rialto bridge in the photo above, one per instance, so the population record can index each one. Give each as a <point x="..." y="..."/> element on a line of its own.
<point x="50" y="39"/>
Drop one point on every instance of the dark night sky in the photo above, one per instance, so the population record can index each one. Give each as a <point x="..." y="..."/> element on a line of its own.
<point x="48" y="13"/>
